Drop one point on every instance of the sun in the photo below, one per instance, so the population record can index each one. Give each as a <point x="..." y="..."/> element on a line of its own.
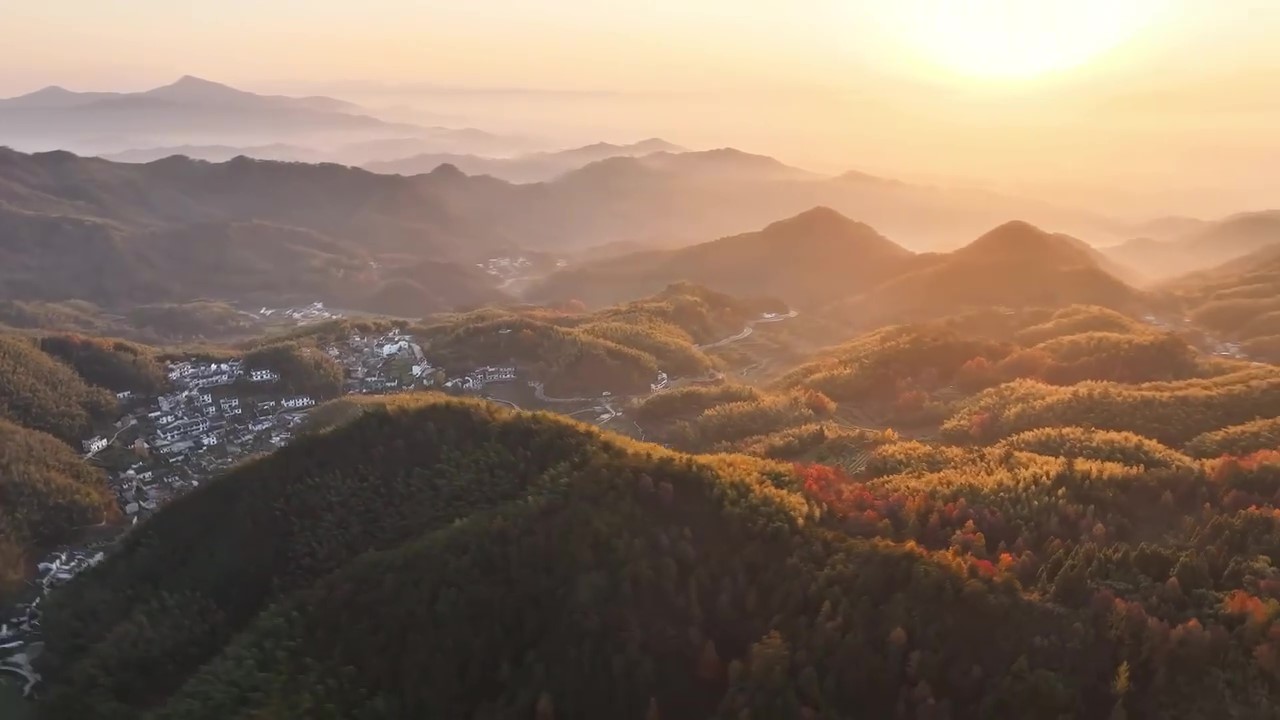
<point x="1020" y="38"/>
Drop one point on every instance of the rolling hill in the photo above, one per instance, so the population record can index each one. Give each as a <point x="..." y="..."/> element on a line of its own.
<point x="1015" y="265"/>
<point x="808" y="260"/>
<point x="437" y="558"/>
<point x="620" y="349"/>
<point x="1237" y="301"/>
<point x="41" y="393"/>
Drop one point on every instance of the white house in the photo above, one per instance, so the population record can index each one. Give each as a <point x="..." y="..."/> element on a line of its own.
<point x="124" y="395"/>
<point x="394" y="348"/>
<point x="183" y="428"/>
<point x="494" y="374"/>
<point x="294" y="403"/>
<point x="95" y="444"/>
<point x="259" y="376"/>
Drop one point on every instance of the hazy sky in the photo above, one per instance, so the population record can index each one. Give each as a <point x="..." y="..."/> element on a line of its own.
<point x="1147" y="105"/>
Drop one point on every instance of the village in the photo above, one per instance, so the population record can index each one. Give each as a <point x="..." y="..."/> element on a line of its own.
<point x="217" y="413"/>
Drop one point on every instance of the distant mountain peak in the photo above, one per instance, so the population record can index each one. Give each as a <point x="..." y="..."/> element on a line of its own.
<point x="195" y="82"/>
<point x="820" y="219"/>
<point x="824" y="228"/>
<point x="1020" y="240"/>
<point x="447" y="170"/>
<point x="1010" y="235"/>
<point x="50" y="90"/>
<point x="190" y="86"/>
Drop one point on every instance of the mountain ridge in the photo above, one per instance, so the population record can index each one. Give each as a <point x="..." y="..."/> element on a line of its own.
<point x="531" y="167"/>
<point x="765" y="262"/>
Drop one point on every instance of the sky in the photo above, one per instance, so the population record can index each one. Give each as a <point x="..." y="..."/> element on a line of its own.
<point x="1126" y="106"/>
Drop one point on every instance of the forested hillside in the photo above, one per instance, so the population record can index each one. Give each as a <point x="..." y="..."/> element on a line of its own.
<point x="808" y="260"/>
<point x="41" y="393"/>
<point x="1014" y="265"/>
<point x="619" y="349"/>
<point x="116" y="365"/>
<point x="178" y="231"/>
<point x="848" y="274"/>
<point x="1238" y="301"/>
<point x="117" y="233"/>
<point x="46" y="491"/>
<point x="431" y="558"/>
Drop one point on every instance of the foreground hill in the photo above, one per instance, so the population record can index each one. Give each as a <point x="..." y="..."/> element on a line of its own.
<point x="1014" y="265"/>
<point x="1200" y="247"/>
<point x="810" y="259"/>
<point x="431" y="558"/>
<point x="47" y="406"/>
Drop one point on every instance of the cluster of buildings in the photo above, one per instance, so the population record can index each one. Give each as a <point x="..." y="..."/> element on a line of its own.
<point x="1217" y="347"/>
<point x="198" y="375"/>
<point x="315" y="312"/>
<point x="475" y="380"/>
<point x="388" y="363"/>
<point x="20" y="631"/>
<point x="216" y="413"/>
<point x="506" y="267"/>
<point x="662" y="383"/>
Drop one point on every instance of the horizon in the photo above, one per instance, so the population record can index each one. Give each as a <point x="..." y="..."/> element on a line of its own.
<point x="1136" y="109"/>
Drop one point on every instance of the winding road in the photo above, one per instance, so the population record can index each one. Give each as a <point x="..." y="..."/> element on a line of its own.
<point x="605" y="400"/>
<point x="746" y="331"/>
<point x="112" y="441"/>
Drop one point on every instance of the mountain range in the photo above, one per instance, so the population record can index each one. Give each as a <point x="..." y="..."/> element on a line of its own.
<point x="810" y="259"/>
<point x="528" y="168"/>
<point x="822" y="261"/>
<point x="1014" y="265"/>
<point x="120" y="234"/>
<point x="180" y="230"/>
<point x="193" y="111"/>
<point x="1199" y="244"/>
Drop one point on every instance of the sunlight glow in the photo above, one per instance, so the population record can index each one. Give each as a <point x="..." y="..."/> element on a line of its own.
<point x="1020" y="38"/>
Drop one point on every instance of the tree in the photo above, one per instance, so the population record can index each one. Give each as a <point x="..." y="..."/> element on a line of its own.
<point x="544" y="710"/>
<point x="710" y="667"/>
